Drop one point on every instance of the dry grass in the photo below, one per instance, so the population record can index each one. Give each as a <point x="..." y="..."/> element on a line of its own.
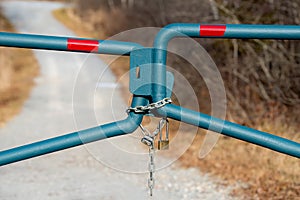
<point x="17" y="70"/>
<point x="267" y="174"/>
<point x="6" y="70"/>
<point x="73" y="22"/>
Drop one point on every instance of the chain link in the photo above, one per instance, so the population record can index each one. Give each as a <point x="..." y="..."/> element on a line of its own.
<point x="151" y="180"/>
<point x="149" y="107"/>
<point x="146" y="132"/>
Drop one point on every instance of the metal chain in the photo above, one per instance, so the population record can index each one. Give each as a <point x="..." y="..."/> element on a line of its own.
<point x="146" y="132"/>
<point x="160" y="126"/>
<point x="149" y="107"/>
<point x="148" y="139"/>
<point x="151" y="180"/>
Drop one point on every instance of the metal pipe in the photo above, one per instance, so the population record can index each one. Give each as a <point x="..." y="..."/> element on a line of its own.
<point x="247" y="31"/>
<point x="237" y="131"/>
<point x="241" y="31"/>
<point x="160" y="57"/>
<point x="118" y="128"/>
<point x="67" y="44"/>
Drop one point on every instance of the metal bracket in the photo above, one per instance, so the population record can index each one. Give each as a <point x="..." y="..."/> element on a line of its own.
<point x="141" y="79"/>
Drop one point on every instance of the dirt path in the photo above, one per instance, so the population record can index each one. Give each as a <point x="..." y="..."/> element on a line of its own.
<point x="95" y="171"/>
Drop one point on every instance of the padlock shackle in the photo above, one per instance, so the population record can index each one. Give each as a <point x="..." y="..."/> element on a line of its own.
<point x="167" y="128"/>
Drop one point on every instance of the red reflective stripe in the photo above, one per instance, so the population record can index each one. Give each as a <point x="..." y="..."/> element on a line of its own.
<point x="212" y="30"/>
<point x="83" y="45"/>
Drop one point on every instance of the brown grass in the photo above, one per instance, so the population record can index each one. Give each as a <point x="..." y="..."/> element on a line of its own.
<point x="267" y="174"/>
<point x="73" y="22"/>
<point x="263" y="174"/>
<point x="18" y="67"/>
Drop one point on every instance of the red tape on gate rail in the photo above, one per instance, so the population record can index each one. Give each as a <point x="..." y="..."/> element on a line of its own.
<point x="83" y="45"/>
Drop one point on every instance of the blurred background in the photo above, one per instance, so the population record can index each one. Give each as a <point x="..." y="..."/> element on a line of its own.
<point x="262" y="79"/>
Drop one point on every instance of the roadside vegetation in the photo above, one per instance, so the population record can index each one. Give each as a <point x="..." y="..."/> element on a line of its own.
<point x="18" y="68"/>
<point x="262" y="80"/>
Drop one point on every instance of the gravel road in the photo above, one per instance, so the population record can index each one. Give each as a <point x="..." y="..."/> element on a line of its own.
<point x="103" y="170"/>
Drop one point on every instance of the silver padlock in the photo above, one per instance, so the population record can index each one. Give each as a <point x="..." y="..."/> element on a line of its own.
<point x="163" y="144"/>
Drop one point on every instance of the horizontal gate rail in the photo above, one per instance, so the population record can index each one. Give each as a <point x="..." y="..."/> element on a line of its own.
<point x="46" y="42"/>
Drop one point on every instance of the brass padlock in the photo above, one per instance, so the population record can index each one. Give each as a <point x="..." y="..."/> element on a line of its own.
<point x="163" y="144"/>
